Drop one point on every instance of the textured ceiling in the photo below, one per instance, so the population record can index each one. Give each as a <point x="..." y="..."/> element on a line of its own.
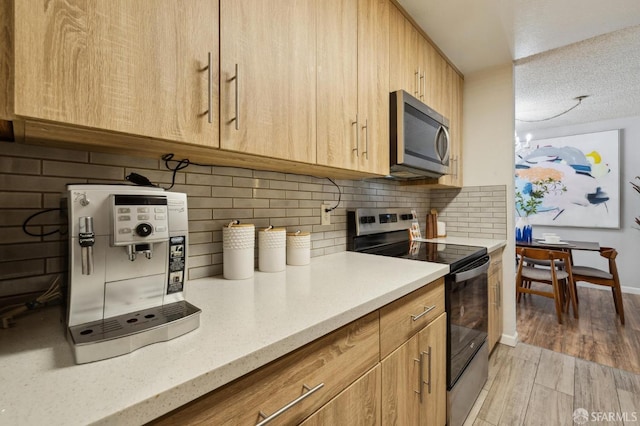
<point x="607" y="68"/>
<point x="562" y="49"/>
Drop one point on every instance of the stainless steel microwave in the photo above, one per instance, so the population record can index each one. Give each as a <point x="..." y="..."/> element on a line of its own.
<point x="419" y="139"/>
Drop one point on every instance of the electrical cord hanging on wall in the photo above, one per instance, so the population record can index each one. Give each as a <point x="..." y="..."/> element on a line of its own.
<point x="579" y="99"/>
<point x="182" y="164"/>
<point x="339" y="197"/>
<point x="185" y="162"/>
<point x="44" y="234"/>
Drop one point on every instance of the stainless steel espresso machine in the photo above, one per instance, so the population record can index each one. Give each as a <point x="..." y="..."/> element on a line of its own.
<point x="127" y="269"/>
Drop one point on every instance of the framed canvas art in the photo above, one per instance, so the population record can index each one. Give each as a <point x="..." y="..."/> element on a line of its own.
<point x="570" y="181"/>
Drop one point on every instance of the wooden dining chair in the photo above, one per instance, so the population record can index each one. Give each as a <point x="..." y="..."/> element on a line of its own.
<point x="607" y="278"/>
<point x="558" y="275"/>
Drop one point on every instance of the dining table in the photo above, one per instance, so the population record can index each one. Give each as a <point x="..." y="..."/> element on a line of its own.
<point x="564" y="245"/>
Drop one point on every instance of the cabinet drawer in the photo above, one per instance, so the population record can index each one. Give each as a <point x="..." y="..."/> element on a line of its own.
<point x="326" y="366"/>
<point x="401" y="319"/>
<point x="496" y="261"/>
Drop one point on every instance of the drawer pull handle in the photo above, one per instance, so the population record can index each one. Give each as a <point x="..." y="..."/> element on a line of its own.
<point x="309" y="391"/>
<point x="427" y="309"/>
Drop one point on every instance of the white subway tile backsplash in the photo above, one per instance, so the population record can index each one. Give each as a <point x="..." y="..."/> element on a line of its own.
<point x="212" y="180"/>
<point x="63" y="168"/>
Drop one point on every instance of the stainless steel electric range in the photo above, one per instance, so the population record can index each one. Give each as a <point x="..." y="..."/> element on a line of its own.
<point x="384" y="231"/>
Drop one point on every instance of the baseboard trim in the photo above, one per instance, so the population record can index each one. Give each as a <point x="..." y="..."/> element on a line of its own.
<point x="509" y="339"/>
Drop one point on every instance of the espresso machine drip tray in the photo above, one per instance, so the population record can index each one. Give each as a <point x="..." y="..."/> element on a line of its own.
<point x="122" y="334"/>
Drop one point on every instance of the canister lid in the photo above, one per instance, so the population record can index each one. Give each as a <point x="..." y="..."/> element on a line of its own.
<point x="238" y="225"/>
<point x="270" y="229"/>
<point x="298" y="234"/>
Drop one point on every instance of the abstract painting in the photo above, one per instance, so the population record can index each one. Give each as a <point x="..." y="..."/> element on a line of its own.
<point x="570" y="180"/>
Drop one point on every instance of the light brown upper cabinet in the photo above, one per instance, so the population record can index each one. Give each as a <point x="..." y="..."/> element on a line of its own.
<point x="373" y="85"/>
<point x="337" y="80"/>
<point x="144" y="67"/>
<point x="404" y="58"/>
<point x="268" y="78"/>
<point x="353" y="75"/>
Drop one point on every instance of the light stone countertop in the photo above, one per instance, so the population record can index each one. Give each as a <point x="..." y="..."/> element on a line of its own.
<point x="244" y="324"/>
<point x="490" y="244"/>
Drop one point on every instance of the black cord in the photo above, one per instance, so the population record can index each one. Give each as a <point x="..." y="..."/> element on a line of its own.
<point x="185" y="162"/>
<point x="182" y="164"/>
<point x="579" y="99"/>
<point x="339" y="197"/>
<point x="46" y="234"/>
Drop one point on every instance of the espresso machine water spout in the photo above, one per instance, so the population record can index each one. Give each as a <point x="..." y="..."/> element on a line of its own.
<point x="134" y="249"/>
<point x="86" y="239"/>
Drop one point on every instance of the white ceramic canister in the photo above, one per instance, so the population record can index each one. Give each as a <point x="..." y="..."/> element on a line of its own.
<point x="272" y="255"/>
<point x="238" y="246"/>
<point x="298" y="248"/>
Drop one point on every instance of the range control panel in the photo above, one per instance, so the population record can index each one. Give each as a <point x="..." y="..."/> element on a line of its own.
<point x="376" y="220"/>
<point x="139" y="219"/>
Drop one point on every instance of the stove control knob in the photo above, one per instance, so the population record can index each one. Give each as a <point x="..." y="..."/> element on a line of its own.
<point x="144" y="229"/>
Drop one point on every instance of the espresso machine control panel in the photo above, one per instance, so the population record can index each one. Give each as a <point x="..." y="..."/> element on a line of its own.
<point x="139" y="219"/>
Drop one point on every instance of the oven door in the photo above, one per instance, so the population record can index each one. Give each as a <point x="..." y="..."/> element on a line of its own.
<point x="467" y="307"/>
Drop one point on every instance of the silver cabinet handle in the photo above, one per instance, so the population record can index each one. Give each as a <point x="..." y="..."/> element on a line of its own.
<point x="417" y="91"/>
<point x="210" y="85"/>
<point x="428" y="369"/>
<point x="495" y="294"/>
<point x="499" y="290"/>
<point x="366" y="139"/>
<point x="267" y="419"/>
<point x="420" y="378"/>
<point x="427" y="309"/>
<point x="357" y="136"/>
<point x="422" y="79"/>
<point x="424" y="85"/>
<point x="237" y="80"/>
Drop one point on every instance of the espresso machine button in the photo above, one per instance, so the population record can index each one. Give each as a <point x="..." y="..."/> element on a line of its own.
<point x="144" y="229"/>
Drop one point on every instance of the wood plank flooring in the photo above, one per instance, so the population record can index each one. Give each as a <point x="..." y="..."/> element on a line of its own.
<point x="596" y="336"/>
<point x="529" y="386"/>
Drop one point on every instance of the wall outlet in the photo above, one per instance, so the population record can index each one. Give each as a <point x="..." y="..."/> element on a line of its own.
<point x="325" y="216"/>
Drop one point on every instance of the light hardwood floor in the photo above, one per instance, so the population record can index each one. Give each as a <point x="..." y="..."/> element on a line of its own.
<point x="596" y="336"/>
<point x="529" y="385"/>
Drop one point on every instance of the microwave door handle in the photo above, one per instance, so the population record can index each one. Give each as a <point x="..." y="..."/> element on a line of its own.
<point x="444" y="158"/>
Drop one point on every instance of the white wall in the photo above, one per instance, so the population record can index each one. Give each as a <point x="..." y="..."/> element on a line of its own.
<point x="488" y="151"/>
<point x="625" y="240"/>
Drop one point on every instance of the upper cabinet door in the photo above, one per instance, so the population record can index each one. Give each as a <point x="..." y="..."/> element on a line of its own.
<point x="268" y="78"/>
<point x="403" y="62"/>
<point x="139" y="67"/>
<point x="373" y="85"/>
<point x="337" y="82"/>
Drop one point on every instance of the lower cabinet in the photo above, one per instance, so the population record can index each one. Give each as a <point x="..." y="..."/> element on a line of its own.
<point x="293" y="387"/>
<point x="495" y="298"/>
<point x="357" y="405"/>
<point x="414" y="378"/>
<point x="339" y="379"/>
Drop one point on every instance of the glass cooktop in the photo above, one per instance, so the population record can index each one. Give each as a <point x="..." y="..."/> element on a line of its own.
<point x="454" y="255"/>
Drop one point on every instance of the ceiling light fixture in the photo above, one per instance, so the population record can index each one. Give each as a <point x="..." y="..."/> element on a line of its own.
<point x="579" y="99"/>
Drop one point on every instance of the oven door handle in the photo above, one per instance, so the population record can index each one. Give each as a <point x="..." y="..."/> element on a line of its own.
<point x="472" y="273"/>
